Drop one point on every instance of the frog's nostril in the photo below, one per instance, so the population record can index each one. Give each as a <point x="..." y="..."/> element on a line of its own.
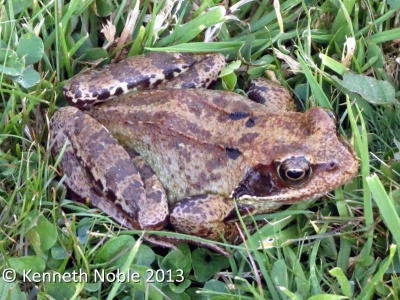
<point x="332" y="165"/>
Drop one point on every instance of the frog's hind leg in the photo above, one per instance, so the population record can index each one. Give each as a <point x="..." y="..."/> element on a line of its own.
<point x="100" y="171"/>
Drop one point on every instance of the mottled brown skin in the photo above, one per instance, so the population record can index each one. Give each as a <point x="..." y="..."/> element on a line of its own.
<point x="207" y="148"/>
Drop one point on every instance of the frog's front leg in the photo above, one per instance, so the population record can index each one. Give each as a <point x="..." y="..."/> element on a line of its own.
<point x="208" y="216"/>
<point x="98" y="169"/>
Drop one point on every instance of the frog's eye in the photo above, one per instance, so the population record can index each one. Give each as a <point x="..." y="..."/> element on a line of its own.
<point x="294" y="170"/>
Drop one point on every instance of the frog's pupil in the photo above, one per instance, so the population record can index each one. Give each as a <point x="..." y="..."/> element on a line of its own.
<point x="295" y="174"/>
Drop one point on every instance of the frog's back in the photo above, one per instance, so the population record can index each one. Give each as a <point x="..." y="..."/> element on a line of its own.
<point x="189" y="137"/>
<point x="205" y="141"/>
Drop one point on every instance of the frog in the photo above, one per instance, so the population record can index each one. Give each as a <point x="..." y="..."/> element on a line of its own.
<point x="146" y="142"/>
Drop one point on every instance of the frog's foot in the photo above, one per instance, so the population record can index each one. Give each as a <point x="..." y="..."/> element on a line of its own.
<point x="273" y="95"/>
<point x="207" y="216"/>
<point x="201" y="70"/>
<point x="98" y="170"/>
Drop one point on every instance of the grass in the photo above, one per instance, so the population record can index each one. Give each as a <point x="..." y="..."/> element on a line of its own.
<point x="339" y="247"/>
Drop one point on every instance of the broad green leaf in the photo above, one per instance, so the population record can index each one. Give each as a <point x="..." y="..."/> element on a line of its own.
<point x="61" y="290"/>
<point x="10" y="63"/>
<point x="93" y="287"/>
<point x="104" y="8"/>
<point x="124" y="269"/>
<point x="215" y="286"/>
<point x="34" y="241"/>
<point x="179" y="287"/>
<point x="28" y="78"/>
<point x="178" y="259"/>
<point x="58" y="252"/>
<point x="230" y="68"/>
<point x="10" y="291"/>
<point x="27" y="263"/>
<point x="171" y="294"/>
<point x="229" y="81"/>
<point x="372" y="90"/>
<point x="115" y="251"/>
<point x="18" y="5"/>
<point x="7" y="168"/>
<point x="42" y="236"/>
<point x="279" y="273"/>
<point x="206" y="264"/>
<point x="146" y="256"/>
<point x="31" y="48"/>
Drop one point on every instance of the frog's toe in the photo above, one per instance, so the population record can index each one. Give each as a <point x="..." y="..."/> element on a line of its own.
<point x="204" y="216"/>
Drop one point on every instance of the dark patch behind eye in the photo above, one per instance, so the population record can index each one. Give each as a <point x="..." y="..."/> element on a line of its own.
<point x="233" y="152"/>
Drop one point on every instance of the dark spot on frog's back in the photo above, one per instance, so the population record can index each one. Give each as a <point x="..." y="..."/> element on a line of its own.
<point x="233" y="152"/>
<point x="251" y="122"/>
<point x="238" y="115"/>
<point x="256" y="97"/>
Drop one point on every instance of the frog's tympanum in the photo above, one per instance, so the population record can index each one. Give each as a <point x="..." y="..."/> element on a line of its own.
<point x="180" y="154"/>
